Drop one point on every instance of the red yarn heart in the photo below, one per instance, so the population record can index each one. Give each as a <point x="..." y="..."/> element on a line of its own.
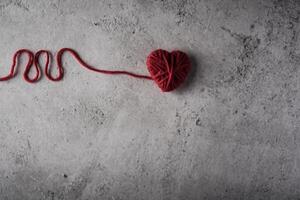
<point x="168" y="70"/>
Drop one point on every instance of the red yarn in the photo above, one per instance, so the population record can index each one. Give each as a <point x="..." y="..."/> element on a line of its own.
<point x="13" y="72"/>
<point x="168" y="70"/>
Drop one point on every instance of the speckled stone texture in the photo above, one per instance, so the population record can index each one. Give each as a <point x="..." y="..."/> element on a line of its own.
<point x="230" y="132"/>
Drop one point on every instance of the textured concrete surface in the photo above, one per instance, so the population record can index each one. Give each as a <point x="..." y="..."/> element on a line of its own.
<point x="231" y="132"/>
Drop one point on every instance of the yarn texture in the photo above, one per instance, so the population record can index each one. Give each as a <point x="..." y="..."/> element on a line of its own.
<point x="168" y="70"/>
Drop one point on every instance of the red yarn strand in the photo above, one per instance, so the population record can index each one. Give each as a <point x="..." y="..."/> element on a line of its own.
<point x="13" y="69"/>
<point x="34" y="61"/>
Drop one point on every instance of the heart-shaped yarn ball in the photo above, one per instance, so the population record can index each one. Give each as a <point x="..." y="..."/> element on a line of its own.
<point x="168" y="70"/>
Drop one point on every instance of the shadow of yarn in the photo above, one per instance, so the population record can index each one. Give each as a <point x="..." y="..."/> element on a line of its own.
<point x="194" y="75"/>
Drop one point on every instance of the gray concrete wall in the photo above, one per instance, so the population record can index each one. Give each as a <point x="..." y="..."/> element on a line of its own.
<point x="230" y="132"/>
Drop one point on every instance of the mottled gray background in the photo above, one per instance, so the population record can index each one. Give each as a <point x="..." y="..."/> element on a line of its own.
<point x="230" y="132"/>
